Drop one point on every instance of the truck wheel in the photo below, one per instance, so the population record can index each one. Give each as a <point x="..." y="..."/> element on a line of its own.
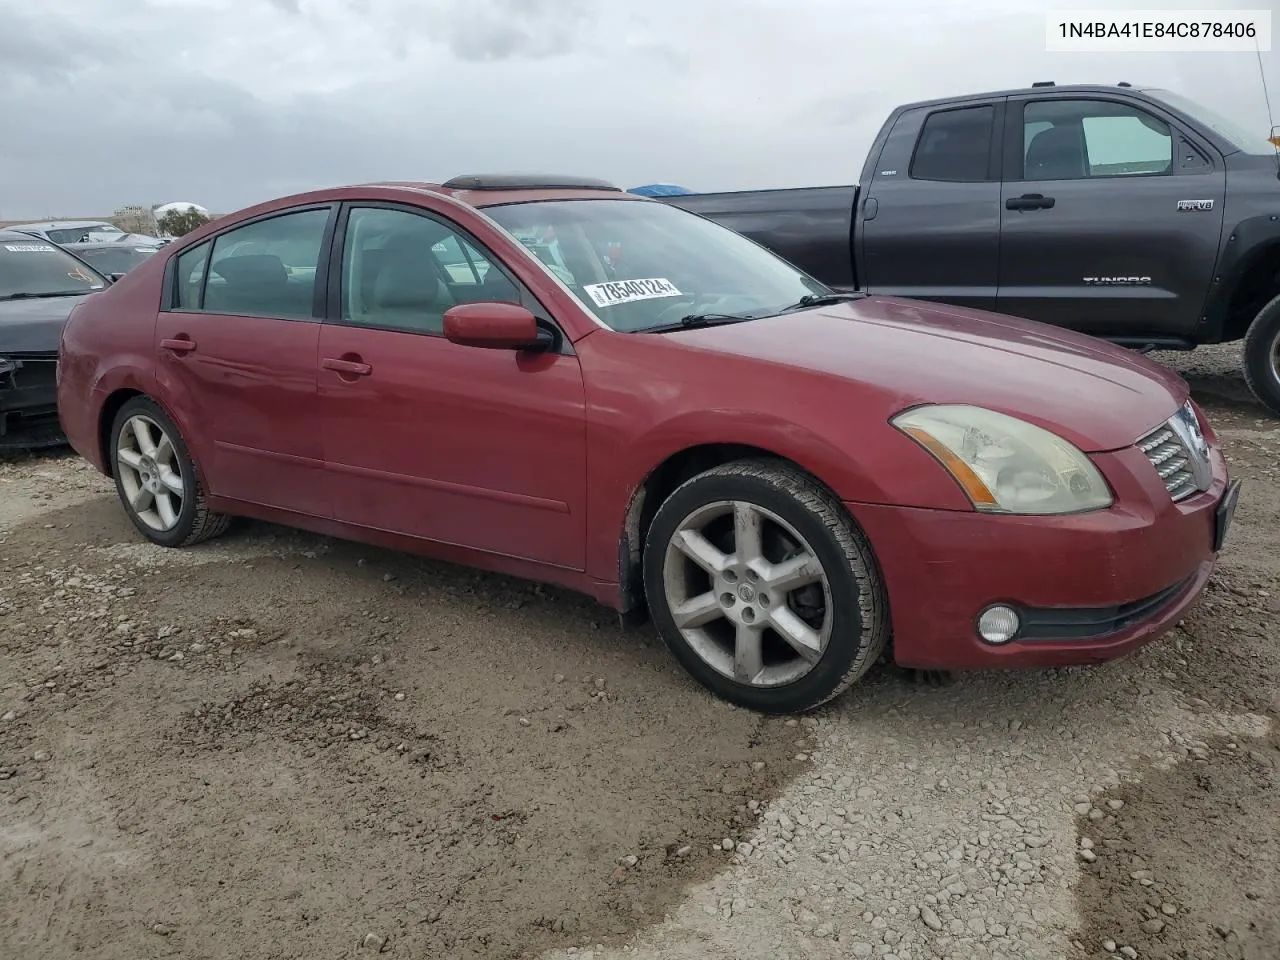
<point x="156" y="478"/>
<point x="1262" y="356"/>
<point x="763" y="588"/>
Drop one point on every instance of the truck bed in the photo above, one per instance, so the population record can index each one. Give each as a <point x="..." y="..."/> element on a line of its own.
<point x="812" y="227"/>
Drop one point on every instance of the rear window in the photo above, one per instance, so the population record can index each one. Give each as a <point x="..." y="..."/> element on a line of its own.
<point x="955" y="146"/>
<point x="110" y="258"/>
<point x="37" y="268"/>
<point x="94" y="231"/>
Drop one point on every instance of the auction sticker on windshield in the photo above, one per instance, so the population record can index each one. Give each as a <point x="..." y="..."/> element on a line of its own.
<point x="628" y="291"/>
<point x="28" y="248"/>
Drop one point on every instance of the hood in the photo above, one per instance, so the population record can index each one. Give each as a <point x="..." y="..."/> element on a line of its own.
<point x="1096" y="395"/>
<point x="34" y="326"/>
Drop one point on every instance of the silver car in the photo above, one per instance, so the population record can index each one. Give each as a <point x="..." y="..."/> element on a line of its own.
<point x="64" y="232"/>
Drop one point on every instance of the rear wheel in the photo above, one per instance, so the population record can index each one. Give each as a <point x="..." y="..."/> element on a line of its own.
<point x="1262" y="356"/>
<point x="763" y="588"/>
<point x="156" y="478"/>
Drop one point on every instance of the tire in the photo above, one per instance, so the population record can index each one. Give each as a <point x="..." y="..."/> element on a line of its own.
<point x="851" y="630"/>
<point x="1262" y="356"/>
<point x="188" y="519"/>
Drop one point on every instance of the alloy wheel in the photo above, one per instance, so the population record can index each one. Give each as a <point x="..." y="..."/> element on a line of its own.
<point x="748" y="593"/>
<point x="150" y="473"/>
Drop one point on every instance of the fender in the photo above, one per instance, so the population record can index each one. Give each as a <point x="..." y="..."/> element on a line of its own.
<point x="123" y="372"/>
<point x="1242" y="247"/>
<point x="613" y="494"/>
<point x="85" y="383"/>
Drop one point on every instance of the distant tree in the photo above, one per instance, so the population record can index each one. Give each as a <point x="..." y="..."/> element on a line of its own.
<point x="135" y="218"/>
<point x="178" y="223"/>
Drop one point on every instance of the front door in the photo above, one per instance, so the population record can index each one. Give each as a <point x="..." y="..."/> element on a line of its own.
<point x="1111" y="217"/>
<point x="236" y="359"/>
<point x="929" y="221"/>
<point x="476" y="447"/>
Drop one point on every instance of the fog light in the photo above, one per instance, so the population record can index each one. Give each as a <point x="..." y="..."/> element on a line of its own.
<point x="998" y="624"/>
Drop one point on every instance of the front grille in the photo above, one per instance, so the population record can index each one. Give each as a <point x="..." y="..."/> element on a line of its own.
<point x="28" y="389"/>
<point x="1172" y="460"/>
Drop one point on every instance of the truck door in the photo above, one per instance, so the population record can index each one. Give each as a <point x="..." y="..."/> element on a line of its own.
<point x="1111" y="216"/>
<point x="929" y="224"/>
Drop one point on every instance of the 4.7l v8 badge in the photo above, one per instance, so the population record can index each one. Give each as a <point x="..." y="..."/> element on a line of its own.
<point x="1195" y="204"/>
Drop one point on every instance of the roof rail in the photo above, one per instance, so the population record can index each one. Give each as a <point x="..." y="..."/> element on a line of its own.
<point x="526" y="181"/>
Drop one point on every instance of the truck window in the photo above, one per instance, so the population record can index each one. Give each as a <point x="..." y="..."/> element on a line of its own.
<point x="1079" y="139"/>
<point x="955" y="145"/>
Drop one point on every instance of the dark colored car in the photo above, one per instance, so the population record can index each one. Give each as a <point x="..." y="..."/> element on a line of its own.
<point x="1133" y="215"/>
<point x="114" y="259"/>
<point x="40" y="284"/>
<point x="782" y="476"/>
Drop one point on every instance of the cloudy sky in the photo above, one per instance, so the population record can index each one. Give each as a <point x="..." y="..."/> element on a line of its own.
<point x="228" y="102"/>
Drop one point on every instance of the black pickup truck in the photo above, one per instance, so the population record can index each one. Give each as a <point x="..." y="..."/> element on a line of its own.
<point x="1130" y="214"/>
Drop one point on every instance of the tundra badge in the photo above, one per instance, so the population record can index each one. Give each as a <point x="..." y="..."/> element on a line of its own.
<point x="1195" y="204"/>
<point x="1118" y="281"/>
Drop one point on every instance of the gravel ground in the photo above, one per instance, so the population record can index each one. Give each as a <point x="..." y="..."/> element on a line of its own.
<point x="278" y="745"/>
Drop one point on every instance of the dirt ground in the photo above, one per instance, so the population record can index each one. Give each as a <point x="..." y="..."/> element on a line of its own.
<point x="1188" y="866"/>
<point x="292" y="744"/>
<point x="282" y="746"/>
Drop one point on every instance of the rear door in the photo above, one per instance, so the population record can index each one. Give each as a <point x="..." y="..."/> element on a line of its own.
<point x="930" y="215"/>
<point x="1111" y="216"/>
<point x="236" y="358"/>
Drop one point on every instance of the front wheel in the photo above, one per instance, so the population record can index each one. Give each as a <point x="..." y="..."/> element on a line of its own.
<point x="1262" y="356"/>
<point x="156" y="478"/>
<point x="763" y="588"/>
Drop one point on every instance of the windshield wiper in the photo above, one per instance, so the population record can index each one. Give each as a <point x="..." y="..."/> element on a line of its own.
<point x="42" y="296"/>
<point x="823" y="300"/>
<point x="697" y="320"/>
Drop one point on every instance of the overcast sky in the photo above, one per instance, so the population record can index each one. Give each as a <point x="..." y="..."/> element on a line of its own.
<point x="228" y="102"/>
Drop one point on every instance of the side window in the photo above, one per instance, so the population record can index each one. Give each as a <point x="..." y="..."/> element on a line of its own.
<point x="1079" y="139"/>
<point x="463" y="262"/>
<point x="189" y="276"/>
<point x="955" y="146"/>
<point x="267" y="268"/>
<point x="403" y="270"/>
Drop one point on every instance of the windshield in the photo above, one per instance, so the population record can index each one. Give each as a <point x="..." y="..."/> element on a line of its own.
<point x="638" y="265"/>
<point x="1241" y="137"/>
<point x="112" y="258"/>
<point x="37" y="269"/>
<point x="94" y="231"/>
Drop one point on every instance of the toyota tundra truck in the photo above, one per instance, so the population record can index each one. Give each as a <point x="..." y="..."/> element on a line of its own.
<point x="1129" y="213"/>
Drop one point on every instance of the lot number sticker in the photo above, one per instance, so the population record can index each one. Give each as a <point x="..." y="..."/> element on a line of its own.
<point x="629" y="291"/>
<point x="28" y="248"/>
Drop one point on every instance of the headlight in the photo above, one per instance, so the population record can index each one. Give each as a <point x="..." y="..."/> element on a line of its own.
<point x="1006" y="465"/>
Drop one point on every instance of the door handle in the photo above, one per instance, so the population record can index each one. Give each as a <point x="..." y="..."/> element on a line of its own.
<point x="351" y="368"/>
<point x="1030" y="201"/>
<point x="179" y="344"/>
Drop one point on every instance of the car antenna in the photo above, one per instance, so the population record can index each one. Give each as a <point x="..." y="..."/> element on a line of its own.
<point x="1266" y="98"/>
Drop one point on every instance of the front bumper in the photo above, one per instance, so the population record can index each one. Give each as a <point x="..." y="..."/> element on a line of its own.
<point x="29" y="402"/>
<point x="1092" y="586"/>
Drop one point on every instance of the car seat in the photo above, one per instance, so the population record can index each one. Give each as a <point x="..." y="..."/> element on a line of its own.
<point x="1057" y="153"/>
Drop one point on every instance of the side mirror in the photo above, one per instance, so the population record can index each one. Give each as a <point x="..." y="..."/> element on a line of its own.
<point x="493" y="324"/>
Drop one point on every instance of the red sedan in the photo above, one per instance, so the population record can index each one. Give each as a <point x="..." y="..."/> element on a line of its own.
<point x="557" y="380"/>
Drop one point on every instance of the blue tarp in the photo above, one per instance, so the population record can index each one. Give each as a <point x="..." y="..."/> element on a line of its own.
<point x="661" y="190"/>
